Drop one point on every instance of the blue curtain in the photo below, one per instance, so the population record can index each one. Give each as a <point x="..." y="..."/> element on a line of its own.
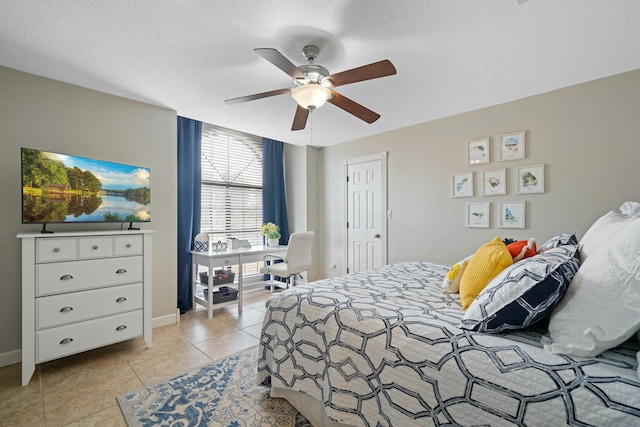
<point x="189" y="202"/>
<point x="274" y="202"/>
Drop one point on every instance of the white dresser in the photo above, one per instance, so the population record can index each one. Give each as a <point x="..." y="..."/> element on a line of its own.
<point x="83" y="290"/>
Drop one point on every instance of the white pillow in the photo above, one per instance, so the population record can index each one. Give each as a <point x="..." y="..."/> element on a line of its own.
<point x="630" y="208"/>
<point x="601" y="231"/>
<point x="600" y="308"/>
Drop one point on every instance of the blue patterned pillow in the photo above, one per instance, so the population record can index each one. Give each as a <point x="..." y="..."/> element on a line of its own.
<point x="559" y="240"/>
<point x="523" y="293"/>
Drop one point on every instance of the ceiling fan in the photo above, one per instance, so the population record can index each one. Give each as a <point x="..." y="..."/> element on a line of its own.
<point x="314" y="85"/>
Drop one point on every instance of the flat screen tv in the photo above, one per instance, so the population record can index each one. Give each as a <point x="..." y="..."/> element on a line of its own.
<point x="59" y="188"/>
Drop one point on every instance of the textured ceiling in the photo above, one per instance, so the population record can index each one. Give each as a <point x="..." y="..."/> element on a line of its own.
<point x="451" y="56"/>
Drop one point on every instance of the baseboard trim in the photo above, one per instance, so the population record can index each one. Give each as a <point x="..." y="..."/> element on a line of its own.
<point x="10" y="358"/>
<point x="169" y="319"/>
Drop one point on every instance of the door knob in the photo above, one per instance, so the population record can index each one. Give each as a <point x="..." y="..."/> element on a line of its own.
<point x="377" y="236"/>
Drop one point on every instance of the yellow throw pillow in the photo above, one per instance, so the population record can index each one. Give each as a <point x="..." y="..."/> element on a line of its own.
<point x="451" y="282"/>
<point x="489" y="260"/>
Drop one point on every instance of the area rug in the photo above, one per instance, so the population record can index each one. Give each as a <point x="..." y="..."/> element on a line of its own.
<point x="221" y="394"/>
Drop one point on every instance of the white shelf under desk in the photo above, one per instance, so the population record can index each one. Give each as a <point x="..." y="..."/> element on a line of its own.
<point x="223" y="259"/>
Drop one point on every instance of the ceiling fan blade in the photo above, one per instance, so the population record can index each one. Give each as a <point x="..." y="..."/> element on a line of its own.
<point x="366" y="72"/>
<point x="361" y="112"/>
<point x="257" y="96"/>
<point x="280" y="61"/>
<point x="300" y="119"/>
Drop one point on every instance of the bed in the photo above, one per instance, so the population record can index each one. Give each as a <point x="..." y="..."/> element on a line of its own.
<point x="386" y="348"/>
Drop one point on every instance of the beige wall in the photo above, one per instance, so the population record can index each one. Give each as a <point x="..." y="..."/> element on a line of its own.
<point x="587" y="136"/>
<point x="40" y="113"/>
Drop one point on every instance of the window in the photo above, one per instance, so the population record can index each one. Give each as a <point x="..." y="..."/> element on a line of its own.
<point x="231" y="186"/>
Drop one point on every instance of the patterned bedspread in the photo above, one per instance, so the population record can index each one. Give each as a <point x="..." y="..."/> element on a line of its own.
<point x="383" y="347"/>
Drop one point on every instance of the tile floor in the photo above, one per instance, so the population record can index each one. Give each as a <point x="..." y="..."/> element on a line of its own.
<point x="81" y="390"/>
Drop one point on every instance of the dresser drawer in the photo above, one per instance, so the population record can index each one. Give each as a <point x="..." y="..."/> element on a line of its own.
<point x="74" y="276"/>
<point x="127" y="245"/>
<point x="95" y="247"/>
<point x="56" y="310"/>
<point x="65" y="340"/>
<point x="54" y="250"/>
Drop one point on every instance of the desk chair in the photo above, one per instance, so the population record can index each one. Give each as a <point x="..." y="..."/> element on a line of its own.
<point x="296" y="260"/>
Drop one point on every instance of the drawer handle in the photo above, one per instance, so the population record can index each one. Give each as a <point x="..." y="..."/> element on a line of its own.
<point x="94" y="247"/>
<point x="66" y="309"/>
<point x="128" y="245"/>
<point x="121" y="271"/>
<point x="56" y="249"/>
<point x="66" y="277"/>
<point x="121" y="328"/>
<point x="66" y="341"/>
<point x="121" y="299"/>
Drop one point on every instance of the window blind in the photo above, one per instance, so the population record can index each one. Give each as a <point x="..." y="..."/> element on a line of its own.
<point x="231" y="186"/>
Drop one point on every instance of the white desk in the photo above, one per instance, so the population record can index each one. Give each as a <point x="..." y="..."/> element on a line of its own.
<point x="225" y="258"/>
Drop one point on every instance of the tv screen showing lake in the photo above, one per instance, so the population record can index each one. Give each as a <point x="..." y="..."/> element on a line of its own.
<point x="62" y="188"/>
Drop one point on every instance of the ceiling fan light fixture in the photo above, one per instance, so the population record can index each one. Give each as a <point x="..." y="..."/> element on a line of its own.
<point x="327" y="82"/>
<point x="314" y="85"/>
<point x="311" y="95"/>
